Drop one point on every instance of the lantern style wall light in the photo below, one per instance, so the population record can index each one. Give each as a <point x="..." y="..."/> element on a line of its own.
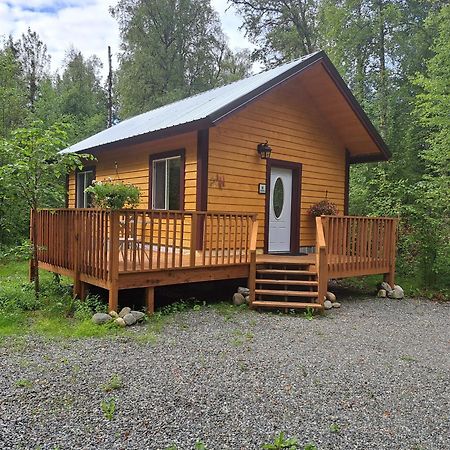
<point x="264" y="150"/>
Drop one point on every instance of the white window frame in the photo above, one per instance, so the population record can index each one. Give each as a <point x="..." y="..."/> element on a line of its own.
<point x="83" y="174"/>
<point x="166" y="187"/>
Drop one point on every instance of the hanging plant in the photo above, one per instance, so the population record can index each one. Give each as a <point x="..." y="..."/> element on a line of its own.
<point x="323" y="208"/>
<point x="109" y="194"/>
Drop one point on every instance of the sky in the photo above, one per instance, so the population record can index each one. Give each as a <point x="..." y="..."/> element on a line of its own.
<point x="86" y="25"/>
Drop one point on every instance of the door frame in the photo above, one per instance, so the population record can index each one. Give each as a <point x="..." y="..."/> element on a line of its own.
<point x="295" y="202"/>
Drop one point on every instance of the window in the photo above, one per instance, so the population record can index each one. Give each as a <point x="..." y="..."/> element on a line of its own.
<point x="166" y="183"/>
<point x="84" y="180"/>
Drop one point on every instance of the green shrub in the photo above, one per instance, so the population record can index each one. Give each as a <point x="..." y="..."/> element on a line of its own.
<point x="111" y="194"/>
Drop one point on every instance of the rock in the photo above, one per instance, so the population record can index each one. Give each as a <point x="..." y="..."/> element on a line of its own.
<point x="120" y="322"/>
<point x="129" y="319"/>
<point x="244" y="291"/>
<point x="397" y="293"/>
<point x="247" y="299"/>
<point x="330" y="296"/>
<point x="138" y="315"/>
<point x="382" y="293"/>
<point x="336" y="305"/>
<point x="124" y="311"/>
<point x="327" y="304"/>
<point x="386" y="286"/>
<point x="238" y="299"/>
<point x="114" y="314"/>
<point x="399" y="289"/>
<point x="101" y="318"/>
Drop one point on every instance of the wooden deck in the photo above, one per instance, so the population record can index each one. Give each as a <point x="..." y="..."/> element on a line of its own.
<point x="144" y="249"/>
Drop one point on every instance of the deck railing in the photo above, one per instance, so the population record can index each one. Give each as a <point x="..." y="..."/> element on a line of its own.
<point x="358" y="245"/>
<point x="100" y="243"/>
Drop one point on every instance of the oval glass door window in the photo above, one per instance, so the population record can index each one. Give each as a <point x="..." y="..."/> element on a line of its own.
<point x="278" y="197"/>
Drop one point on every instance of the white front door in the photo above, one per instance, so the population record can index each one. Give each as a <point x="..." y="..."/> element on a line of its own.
<point x="280" y="208"/>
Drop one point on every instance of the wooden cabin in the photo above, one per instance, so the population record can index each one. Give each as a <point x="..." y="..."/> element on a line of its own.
<point x="226" y="180"/>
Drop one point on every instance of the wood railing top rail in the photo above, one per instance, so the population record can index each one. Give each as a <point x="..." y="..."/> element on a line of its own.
<point x="162" y="211"/>
<point x="361" y="217"/>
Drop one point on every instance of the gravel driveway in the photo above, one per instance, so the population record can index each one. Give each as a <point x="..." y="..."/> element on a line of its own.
<point x="373" y="375"/>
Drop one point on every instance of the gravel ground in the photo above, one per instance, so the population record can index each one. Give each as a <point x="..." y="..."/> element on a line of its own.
<point x="376" y="371"/>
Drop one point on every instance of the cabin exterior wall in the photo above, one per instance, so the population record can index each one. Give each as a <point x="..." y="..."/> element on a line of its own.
<point x="296" y="131"/>
<point x="133" y="167"/>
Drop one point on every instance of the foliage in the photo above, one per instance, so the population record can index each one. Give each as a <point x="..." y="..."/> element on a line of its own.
<point x="110" y="194"/>
<point x="309" y="313"/>
<point x="281" y="442"/>
<point x="282" y="30"/>
<point x="108" y="408"/>
<point x="114" y="383"/>
<point x="323" y="208"/>
<point x="34" y="167"/>
<point x="170" y="50"/>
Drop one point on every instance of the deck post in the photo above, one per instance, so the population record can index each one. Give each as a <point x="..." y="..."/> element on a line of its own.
<point x="113" y="300"/>
<point x="252" y="267"/>
<point x="252" y="278"/>
<point x="150" y="300"/>
<point x="83" y="290"/>
<point x="76" y="257"/>
<point x="321" y="261"/>
<point x="389" y="277"/>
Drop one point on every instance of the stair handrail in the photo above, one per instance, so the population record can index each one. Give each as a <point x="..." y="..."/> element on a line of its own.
<point x="321" y="261"/>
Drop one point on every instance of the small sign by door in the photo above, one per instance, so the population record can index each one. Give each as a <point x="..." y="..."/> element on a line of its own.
<point x="261" y="188"/>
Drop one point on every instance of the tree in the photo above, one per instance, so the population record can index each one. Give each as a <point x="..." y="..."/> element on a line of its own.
<point x="282" y="29"/>
<point x="35" y="170"/>
<point x="170" y="49"/>
<point x="432" y="107"/>
<point x="35" y="63"/>
<point x="12" y="90"/>
<point x="81" y="95"/>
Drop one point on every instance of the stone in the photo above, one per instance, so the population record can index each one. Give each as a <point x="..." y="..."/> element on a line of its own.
<point x="327" y="304"/>
<point x="124" y="311"/>
<point x="238" y="299"/>
<point x="382" y="293"/>
<point x="101" y="318"/>
<point x="138" y="315"/>
<point x="399" y="289"/>
<point x="336" y="305"/>
<point x="247" y="299"/>
<point x="397" y="293"/>
<point x="330" y="296"/>
<point x="129" y="319"/>
<point x="244" y="291"/>
<point x="386" y="286"/>
<point x="120" y="322"/>
<point x="114" y="314"/>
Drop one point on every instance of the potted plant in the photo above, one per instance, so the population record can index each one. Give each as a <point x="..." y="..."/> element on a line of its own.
<point x="110" y="194"/>
<point x="323" y="208"/>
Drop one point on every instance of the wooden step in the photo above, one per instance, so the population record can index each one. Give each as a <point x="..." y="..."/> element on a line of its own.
<point x="289" y="305"/>
<point x="286" y="272"/>
<point x="286" y="293"/>
<point x="287" y="282"/>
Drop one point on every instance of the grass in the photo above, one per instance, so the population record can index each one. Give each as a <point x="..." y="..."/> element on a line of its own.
<point x="114" y="383"/>
<point x="24" y="383"/>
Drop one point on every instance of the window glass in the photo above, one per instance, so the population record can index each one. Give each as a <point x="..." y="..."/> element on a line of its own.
<point x="159" y="184"/>
<point x="278" y="197"/>
<point x="174" y="174"/>
<point x="84" y="180"/>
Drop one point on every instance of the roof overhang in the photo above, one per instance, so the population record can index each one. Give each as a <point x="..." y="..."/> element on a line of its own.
<point x="317" y="75"/>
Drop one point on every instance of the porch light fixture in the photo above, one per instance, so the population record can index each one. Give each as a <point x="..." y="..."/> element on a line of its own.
<point x="264" y="150"/>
